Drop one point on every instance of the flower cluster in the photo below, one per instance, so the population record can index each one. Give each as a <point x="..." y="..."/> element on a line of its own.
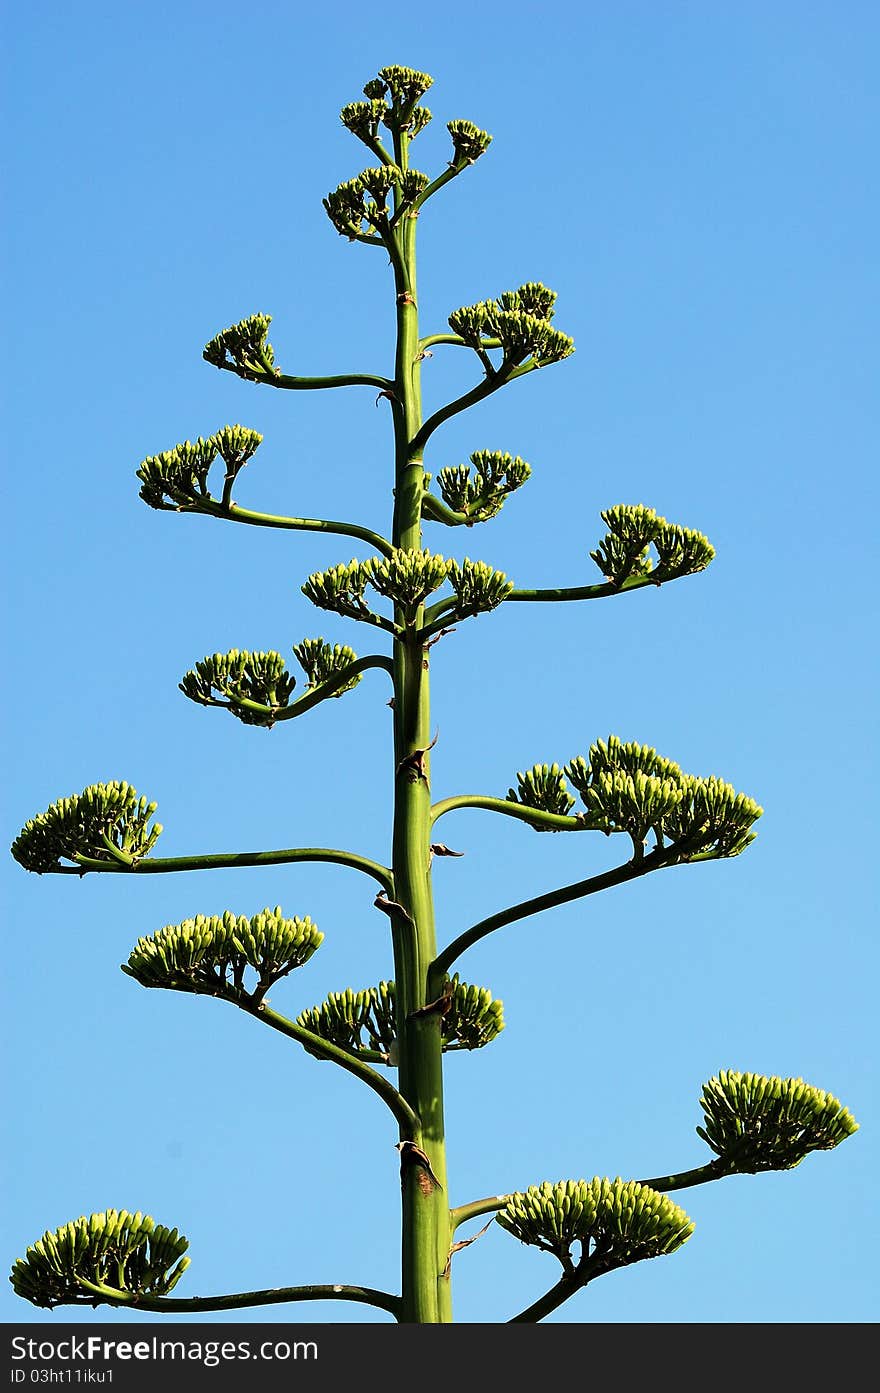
<point x="243" y="348"/>
<point x="624" y="553"/>
<point x="517" y="322"/>
<point x="543" y="787"/>
<point x="210" y="955"/>
<point x="627" y="787"/>
<point x="366" y="1020"/>
<point x="128" y="1253"/>
<point x="106" y="822"/>
<point x="241" y="681"/>
<point x="616" y="1221"/>
<point x="178" y="478"/>
<point x="761" y="1124"/>
<point x="478" y="498"/>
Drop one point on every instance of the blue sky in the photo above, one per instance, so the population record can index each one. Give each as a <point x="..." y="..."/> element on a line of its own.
<point x="695" y="182"/>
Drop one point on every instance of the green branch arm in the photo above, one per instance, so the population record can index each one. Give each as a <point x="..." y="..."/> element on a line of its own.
<point x="232" y="512"/>
<point x="583" y="592"/>
<point x="566" y="1287"/>
<point x="310" y="384"/>
<point x="700" y="1175"/>
<point x="436" y="615"/>
<point x="377" y="620"/>
<point x="456" y="341"/>
<point x="163" y="865"/>
<point x="435" y="510"/>
<point x="446" y="177"/>
<point x="476" y="394"/>
<point x="123" y="859"/>
<point x="475" y="1209"/>
<point x="271" y="1296"/>
<point x="314" y="696"/>
<point x="631" y="870"/>
<point x="535" y="817"/>
<point x="374" y="143"/>
<point x="408" y="1120"/>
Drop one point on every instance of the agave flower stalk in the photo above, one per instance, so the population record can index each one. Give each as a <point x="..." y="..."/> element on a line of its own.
<point x="393" y="1037"/>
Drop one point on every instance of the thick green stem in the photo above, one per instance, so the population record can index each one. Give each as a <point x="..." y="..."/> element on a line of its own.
<point x="425" y="1213"/>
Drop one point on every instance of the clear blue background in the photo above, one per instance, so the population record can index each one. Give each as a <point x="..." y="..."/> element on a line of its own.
<point x="698" y="182"/>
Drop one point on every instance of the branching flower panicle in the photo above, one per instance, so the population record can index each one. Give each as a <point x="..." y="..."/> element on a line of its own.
<point x="751" y="1122"/>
